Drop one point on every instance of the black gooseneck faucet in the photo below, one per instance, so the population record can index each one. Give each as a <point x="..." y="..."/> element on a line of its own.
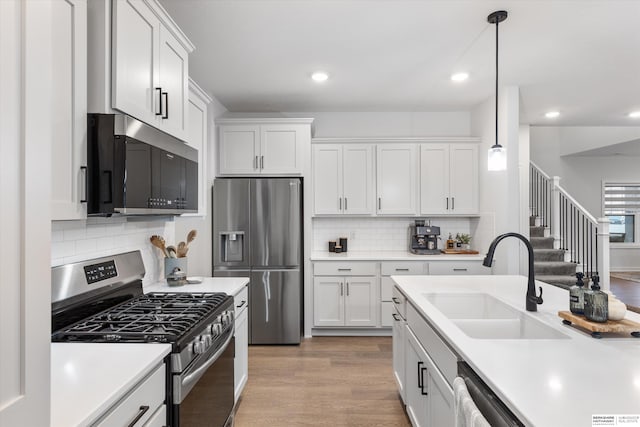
<point x="532" y="299"/>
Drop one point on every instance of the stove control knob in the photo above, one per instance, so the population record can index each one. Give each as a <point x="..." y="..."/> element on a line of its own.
<point x="199" y="347"/>
<point x="207" y="340"/>
<point x="216" y="328"/>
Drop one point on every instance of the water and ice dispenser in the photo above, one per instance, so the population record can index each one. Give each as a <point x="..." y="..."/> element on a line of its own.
<point x="232" y="246"/>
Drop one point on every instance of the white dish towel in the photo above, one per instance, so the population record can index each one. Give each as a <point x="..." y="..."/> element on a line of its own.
<point x="467" y="413"/>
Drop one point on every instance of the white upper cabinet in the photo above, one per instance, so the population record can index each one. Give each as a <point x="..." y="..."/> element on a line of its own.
<point x="263" y="146"/>
<point x="343" y="179"/>
<point x="149" y="66"/>
<point x="198" y="138"/>
<point x="69" y="71"/>
<point x="449" y="179"/>
<point x="397" y="179"/>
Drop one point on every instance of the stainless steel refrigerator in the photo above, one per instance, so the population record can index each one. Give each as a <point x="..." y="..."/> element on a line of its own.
<point x="257" y="233"/>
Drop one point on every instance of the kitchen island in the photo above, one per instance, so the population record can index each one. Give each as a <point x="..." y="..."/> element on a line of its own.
<point x="555" y="376"/>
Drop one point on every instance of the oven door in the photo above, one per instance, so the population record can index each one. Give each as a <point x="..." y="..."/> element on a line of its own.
<point x="203" y="393"/>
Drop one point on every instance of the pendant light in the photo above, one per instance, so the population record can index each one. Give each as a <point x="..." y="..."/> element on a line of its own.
<point x="497" y="159"/>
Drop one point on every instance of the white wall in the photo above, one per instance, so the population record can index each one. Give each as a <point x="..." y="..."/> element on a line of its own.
<point x="381" y="124"/>
<point x="500" y="199"/>
<point x="577" y="139"/>
<point x="583" y="176"/>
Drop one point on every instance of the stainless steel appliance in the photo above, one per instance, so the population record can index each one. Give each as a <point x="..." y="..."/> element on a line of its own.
<point x="257" y="225"/>
<point x="491" y="407"/>
<point x="133" y="168"/>
<point x="423" y="238"/>
<point x="101" y="300"/>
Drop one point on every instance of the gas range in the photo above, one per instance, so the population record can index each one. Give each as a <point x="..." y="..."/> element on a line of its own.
<point x="102" y="301"/>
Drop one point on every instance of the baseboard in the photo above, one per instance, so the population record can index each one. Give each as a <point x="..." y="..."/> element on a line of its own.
<point x="351" y="332"/>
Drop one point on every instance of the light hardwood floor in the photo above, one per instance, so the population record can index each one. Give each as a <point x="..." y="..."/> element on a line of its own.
<point x="326" y="381"/>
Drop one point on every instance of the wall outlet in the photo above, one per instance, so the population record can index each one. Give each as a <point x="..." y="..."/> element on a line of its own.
<point x="352" y="235"/>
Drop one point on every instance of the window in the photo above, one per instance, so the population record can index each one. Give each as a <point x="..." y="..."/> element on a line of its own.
<point x="622" y="207"/>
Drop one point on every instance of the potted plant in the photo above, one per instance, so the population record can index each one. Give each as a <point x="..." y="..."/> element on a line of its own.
<point x="465" y="241"/>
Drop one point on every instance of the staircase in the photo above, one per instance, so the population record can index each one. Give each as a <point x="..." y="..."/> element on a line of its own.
<point x="548" y="263"/>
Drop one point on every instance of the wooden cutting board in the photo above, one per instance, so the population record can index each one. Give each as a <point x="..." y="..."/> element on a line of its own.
<point x="459" y="252"/>
<point x="615" y="326"/>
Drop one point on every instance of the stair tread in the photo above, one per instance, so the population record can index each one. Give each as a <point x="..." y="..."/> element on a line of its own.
<point x="547" y="250"/>
<point x="554" y="263"/>
<point x="559" y="278"/>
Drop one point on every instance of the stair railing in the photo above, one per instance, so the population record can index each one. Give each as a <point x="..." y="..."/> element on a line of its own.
<point x="584" y="238"/>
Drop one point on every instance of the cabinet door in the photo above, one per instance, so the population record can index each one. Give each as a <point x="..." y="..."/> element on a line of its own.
<point x="415" y="397"/>
<point x="398" y="352"/>
<point x="397" y="179"/>
<point x="440" y="409"/>
<point x="135" y="60"/>
<point x="198" y="139"/>
<point x="69" y="71"/>
<point x="358" y="179"/>
<point x="239" y="150"/>
<point x="281" y="149"/>
<point x="434" y="179"/>
<point x="328" y="301"/>
<point x="241" y="361"/>
<point x="327" y="179"/>
<point x="173" y="78"/>
<point x="362" y="301"/>
<point x="463" y="186"/>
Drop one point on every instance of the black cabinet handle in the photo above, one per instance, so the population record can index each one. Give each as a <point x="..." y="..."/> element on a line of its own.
<point x="421" y="380"/>
<point x="453" y="203"/>
<point x="402" y="269"/>
<point x="459" y="269"/>
<point x="86" y="184"/>
<point x="395" y="317"/>
<point x="447" y="203"/>
<point x="395" y="300"/>
<point x="345" y="203"/>
<point x="159" y="89"/>
<point x="143" y="410"/>
<point x="344" y="269"/>
<point x="420" y="374"/>
<point x="241" y="304"/>
<point x="166" y="105"/>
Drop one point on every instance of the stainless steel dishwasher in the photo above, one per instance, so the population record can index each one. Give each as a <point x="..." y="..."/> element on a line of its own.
<point x="492" y="408"/>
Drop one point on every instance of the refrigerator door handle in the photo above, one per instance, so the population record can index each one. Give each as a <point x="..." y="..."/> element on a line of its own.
<point x="267" y="295"/>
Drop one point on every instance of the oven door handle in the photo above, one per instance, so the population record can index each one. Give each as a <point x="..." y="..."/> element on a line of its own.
<point x="195" y="375"/>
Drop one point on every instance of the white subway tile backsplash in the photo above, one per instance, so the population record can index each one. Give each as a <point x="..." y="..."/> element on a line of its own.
<point x="379" y="234"/>
<point x="74" y="241"/>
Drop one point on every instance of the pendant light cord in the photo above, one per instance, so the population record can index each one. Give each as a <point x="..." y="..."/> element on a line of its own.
<point x="496" y="142"/>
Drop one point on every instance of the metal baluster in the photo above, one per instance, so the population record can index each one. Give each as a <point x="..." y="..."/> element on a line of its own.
<point x="596" y="251"/>
<point x="591" y="246"/>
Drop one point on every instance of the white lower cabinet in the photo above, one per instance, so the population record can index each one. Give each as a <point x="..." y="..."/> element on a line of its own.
<point x="140" y="404"/>
<point x="159" y="418"/>
<point x="345" y="301"/>
<point x="398" y="328"/>
<point x="241" y="361"/>
<point x="428" y="396"/>
<point x="427" y="369"/>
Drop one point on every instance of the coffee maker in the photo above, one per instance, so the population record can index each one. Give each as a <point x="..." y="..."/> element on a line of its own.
<point x="424" y="238"/>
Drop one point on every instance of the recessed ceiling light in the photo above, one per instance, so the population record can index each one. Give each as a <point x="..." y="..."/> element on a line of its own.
<point x="552" y="114"/>
<point x="459" y="77"/>
<point x="319" y="76"/>
<point x="634" y="114"/>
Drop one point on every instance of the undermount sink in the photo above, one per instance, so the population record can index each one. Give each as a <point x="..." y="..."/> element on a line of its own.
<point x="471" y="306"/>
<point x="523" y="328"/>
<point x="483" y="316"/>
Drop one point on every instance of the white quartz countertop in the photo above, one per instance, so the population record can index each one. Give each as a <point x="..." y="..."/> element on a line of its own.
<point x="228" y="285"/>
<point x="545" y="382"/>
<point x="389" y="256"/>
<point x="88" y="379"/>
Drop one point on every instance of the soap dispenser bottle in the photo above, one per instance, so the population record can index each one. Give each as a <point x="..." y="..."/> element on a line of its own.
<point x="596" y="304"/>
<point x="576" y="295"/>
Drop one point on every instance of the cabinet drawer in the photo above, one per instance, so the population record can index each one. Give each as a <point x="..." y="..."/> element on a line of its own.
<point x="386" y="311"/>
<point x="402" y="267"/>
<point x="344" y="269"/>
<point x="400" y="302"/>
<point x="438" y="268"/>
<point x="444" y="358"/>
<point x="147" y="394"/>
<point x="241" y="300"/>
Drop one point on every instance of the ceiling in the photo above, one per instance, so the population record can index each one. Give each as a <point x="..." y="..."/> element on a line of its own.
<point x="580" y="57"/>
